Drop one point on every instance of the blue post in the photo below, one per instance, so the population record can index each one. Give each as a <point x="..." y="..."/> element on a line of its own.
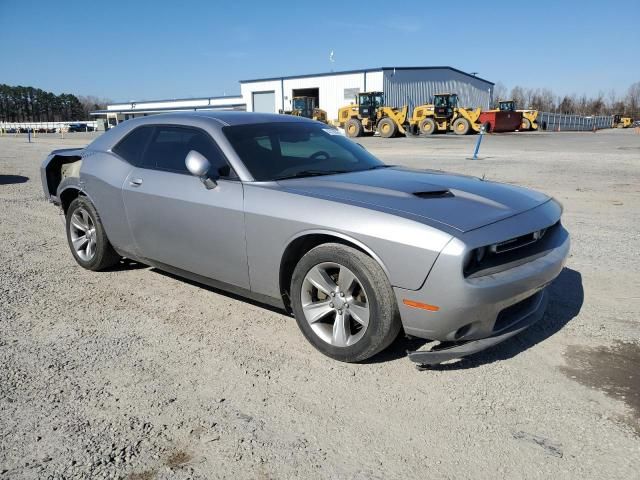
<point x="480" y="135"/>
<point x="29" y="134"/>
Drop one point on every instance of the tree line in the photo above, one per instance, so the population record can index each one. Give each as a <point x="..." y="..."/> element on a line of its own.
<point x="29" y="104"/>
<point x="545" y="100"/>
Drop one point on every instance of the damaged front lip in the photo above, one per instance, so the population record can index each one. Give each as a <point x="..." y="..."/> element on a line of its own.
<point x="462" y="349"/>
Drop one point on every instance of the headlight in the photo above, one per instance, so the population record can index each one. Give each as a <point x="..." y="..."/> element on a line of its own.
<point x="473" y="258"/>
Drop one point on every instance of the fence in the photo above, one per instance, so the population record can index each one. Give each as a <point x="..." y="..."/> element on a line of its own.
<point x="555" y="121"/>
<point x="46" y="127"/>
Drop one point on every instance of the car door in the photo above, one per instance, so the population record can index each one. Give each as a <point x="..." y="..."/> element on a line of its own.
<point x="175" y="220"/>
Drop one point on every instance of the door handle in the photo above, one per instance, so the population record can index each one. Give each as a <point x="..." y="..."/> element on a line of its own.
<point x="135" y="182"/>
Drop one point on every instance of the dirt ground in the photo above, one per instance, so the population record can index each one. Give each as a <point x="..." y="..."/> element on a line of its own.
<point x="133" y="373"/>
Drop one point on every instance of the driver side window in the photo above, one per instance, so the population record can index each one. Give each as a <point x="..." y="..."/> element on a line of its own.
<point x="170" y="144"/>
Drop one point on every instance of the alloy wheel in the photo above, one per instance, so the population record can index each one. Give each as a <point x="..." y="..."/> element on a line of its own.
<point x="83" y="234"/>
<point x="335" y="304"/>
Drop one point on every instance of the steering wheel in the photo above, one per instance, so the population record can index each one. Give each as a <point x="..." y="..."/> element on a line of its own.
<point x="318" y="154"/>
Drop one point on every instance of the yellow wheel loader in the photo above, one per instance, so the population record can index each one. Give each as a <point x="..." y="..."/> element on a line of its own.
<point x="370" y="115"/>
<point x="622" y="122"/>
<point x="444" y="115"/>
<point x="306" y="107"/>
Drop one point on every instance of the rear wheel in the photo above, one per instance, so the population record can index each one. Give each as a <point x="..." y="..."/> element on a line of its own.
<point x="353" y="128"/>
<point x="343" y="303"/>
<point x="387" y="128"/>
<point x="427" y="126"/>
<point x="86" y="236"/>
<point x="461" y="126"/>
<point x="526" y="124"/>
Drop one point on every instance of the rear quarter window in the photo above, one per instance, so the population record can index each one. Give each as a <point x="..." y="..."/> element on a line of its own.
<point x="132" y="147"/>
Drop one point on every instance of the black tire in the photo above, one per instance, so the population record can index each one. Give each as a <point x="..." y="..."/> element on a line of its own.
<point x="428" y="126"/>
<point x="526" y="124"/>
<point x="384" y="318"/>
<point x="387" y="128"/>
<point x="104" y="255"/>
<point x="353" y="128"/>
<point x="487" y="127"/>
<point x="461" y="126"/>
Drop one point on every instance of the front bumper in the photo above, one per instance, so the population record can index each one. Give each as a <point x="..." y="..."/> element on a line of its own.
<point x="477" y="312"/>
<point x="462" y="349"/>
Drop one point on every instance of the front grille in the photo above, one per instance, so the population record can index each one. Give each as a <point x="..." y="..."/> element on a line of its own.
<point x="509" y="253"/>
<point x="518" y="242"/>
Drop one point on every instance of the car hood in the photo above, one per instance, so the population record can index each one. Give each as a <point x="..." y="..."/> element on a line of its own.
<point x="460" y="202"/>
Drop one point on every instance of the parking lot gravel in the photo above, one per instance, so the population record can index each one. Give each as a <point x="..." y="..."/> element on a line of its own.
<point x="134" y="373"/>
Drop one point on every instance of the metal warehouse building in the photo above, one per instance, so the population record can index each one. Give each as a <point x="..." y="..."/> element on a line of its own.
<point x="401" y="85"/>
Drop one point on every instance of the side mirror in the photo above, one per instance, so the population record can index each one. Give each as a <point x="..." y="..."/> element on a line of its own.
<point x="199" y="166"/>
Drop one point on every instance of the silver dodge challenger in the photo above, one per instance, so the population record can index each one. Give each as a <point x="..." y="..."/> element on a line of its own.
<point x="288" y="212"/>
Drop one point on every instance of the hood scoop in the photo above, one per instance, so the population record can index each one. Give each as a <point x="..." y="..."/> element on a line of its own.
<point x="434" y="194"/>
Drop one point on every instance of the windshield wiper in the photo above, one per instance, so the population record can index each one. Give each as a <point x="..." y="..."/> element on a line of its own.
<point x="311" y="173"/>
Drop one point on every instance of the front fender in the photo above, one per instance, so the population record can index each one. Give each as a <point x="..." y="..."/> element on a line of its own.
<point x="405" y="249"/>
<point x="342" y="236"/>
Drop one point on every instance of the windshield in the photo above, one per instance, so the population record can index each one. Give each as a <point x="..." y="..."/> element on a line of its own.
<point x="273" y="151"/>
<point x="507" y="106"/>
<point x="365" y="100"/>
<point x="299" y="104"/>
<point x="441" y="101"/>
<point x="371" y="100"/>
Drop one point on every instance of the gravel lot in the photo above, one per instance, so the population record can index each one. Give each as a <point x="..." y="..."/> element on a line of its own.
<point x="136" y="374"/>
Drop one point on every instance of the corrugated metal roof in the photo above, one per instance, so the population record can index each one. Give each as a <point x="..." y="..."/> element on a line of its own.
<point x="172" y="109"/>
<point x="348" y="72"/>
<point x="191" y="99"/>
<point x="324" y="74"/>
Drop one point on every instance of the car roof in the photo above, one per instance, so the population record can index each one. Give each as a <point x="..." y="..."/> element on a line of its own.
<point x="227" y="117"/>
<point x="215" y="120"/>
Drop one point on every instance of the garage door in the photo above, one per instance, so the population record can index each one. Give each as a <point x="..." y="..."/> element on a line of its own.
<point x="264" y="102"/>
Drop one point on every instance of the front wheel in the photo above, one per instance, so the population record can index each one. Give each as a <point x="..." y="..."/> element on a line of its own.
<point x="427" y="126"/>
<point x="387" y="128"/>
<point x="526" y="124"/>
<point x="86" y="236"/>
<point x="461" y="126"/>
<point x="343" y="303"/>
<point x="353" y="128"/>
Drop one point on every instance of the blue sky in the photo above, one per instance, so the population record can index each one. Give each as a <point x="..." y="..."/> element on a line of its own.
<point x="126" y="50"/>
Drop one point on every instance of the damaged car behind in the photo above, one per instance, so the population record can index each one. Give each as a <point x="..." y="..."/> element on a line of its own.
<point x="286" y="211"/>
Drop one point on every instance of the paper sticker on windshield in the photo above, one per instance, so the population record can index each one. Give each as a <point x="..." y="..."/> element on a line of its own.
<point x="332" y="131"/>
